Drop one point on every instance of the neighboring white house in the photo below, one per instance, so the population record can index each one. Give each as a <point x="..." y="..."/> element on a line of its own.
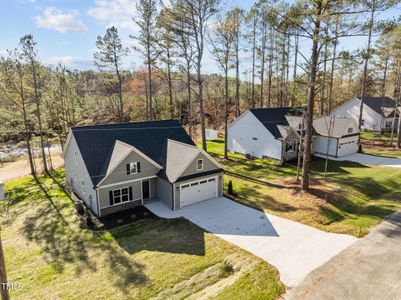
<point x="378" y="112"/>
<point x="211" y="134"/>
<point x="264" y="132"/>
<point x="335" y="136"/>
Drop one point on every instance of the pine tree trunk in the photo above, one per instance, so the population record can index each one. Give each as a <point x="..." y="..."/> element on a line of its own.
<point x="150" y="87"/>
<point x="323" y="87"/>
<point x="294" y="76"/>
<point x="330" y="98"/>
<point x="365" y="68"/>
<point x="307" y="160"/>
<point x="237" y="82"/>
<point x="253" y="62"/>
<point x="189" y="99"/>
<point x="39" y="116"/>
<point x="170" y="85"/>
<point x="226" y="112"/>
<point x="262" y="66"/>
<point x="120" y="94"/>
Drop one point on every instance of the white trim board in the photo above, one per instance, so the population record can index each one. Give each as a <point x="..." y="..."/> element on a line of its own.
<point x="127" y="181"/>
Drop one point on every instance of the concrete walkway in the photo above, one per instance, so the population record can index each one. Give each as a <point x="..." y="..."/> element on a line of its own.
<point x="295" y="249"/>
<point x="369" y="269"/>
<point x="368" y="159"/>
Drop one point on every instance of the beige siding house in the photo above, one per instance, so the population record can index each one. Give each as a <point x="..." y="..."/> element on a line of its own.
<point x="118" y="166"/>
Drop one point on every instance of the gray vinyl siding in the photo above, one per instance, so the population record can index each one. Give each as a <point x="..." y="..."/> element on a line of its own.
<point x="104" y="198"/>
<point x="286" y="156"/>
<point x="164" y="192"/>
<point x="208" y="165"/>
<point x="119" y="174"/>
<point x="75" y="171"/>
<point x="220" y="185"/>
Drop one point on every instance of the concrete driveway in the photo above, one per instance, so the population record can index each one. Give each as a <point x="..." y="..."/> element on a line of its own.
<point x="295" y="249"/>
<point x="368" y="159"/>
<point x="369" y="269"/>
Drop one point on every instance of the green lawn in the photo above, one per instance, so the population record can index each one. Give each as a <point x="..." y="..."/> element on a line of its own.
<point x="355" y="197"/>
<point x="370" y="135"/>
<point x="53" y="258"/>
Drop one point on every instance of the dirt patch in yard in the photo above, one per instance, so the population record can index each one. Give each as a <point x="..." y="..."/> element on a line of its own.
<point x="20" y="168"/>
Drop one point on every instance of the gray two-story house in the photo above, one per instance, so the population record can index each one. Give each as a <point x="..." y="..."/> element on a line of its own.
<point x="118" y="166"/>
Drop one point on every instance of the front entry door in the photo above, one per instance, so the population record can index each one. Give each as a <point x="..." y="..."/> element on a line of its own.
<point x="145" y="189"/>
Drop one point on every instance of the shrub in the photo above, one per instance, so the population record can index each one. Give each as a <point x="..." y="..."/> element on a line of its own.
<point x="230" y="189"/>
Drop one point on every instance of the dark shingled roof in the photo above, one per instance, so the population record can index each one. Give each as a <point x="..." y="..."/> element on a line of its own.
<point x="96" y="143"/>
<point x="271" y="117"/>
<point x="376" y="103"/>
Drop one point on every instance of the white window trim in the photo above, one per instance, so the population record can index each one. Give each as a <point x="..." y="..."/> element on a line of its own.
<point x="293" y="147"/>
<point x="126" y="182"/>
<point x="83" y="187"/>
<point x="197" y="164"/>
<point x="135" y="163"/>
<point x="121" y="195"/>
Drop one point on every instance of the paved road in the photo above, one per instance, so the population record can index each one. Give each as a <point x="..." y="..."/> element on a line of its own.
<point x="369" y="269"/>
<point x="295" y="249"/>
<point x="368" y="159"/>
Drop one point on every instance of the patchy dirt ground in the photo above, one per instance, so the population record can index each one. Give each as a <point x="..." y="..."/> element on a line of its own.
<point x="19" y="168"/>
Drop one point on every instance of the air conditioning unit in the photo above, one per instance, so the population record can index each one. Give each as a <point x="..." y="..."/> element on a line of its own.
<point x="1" y="191"/>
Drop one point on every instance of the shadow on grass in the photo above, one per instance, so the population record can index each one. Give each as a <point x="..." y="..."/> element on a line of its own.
<point x="249" y="196"/>
<point x="334" y="166"/>
<point x="63" y="243"/>
<point x="360" y="199"/>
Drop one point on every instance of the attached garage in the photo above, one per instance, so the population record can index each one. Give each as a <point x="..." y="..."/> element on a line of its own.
<point x="198" y="190"/>
<point x="335" y="136"/>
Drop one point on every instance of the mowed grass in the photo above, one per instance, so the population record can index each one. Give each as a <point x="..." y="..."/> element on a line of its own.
<point x="354" y="198"/>
<point x="53" y="258"/>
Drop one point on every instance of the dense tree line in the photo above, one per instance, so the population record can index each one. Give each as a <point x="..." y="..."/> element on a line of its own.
<point x="275" y="54"/>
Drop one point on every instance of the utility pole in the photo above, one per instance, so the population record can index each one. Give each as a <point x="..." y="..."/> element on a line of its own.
<point x="3" y="275"/>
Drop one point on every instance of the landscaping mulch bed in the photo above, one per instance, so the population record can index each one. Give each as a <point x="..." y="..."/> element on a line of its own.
<point x="117" y="219"/>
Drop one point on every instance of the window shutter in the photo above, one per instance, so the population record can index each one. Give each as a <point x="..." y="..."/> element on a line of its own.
<point x="111" y="197"/>
<point x="128" y="169"/>
<point x="138" y="167"/>
<point x="130" y="193"/>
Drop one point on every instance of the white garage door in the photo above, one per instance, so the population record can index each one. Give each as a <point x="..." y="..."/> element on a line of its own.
<point x="347" y="146"/>
<point x="197" y="191"/>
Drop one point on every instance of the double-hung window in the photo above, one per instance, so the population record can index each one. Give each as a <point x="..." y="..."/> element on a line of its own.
<point x="121" y="195"/>
<point x="350" y="130"/>
<point x="199" y="165"/>
<point x="134" y="168"/>
<point x="290" y="146"/>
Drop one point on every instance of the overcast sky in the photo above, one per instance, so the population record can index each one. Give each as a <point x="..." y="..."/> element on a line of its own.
<point x="66" y="30"/>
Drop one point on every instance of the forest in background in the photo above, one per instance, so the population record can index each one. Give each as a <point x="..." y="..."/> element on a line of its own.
<point x="39" y="103"/>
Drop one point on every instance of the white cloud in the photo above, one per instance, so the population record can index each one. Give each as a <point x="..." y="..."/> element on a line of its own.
<point x="56" y="19"/>
<point x="117" y="13"/>
<point x="74" y="62"/>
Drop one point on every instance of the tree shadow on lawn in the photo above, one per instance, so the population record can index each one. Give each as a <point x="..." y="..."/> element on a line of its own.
<point x="335" y="166"/>
<point x="250" y="196"/>
<point x="368" y="188"/>
<point x="51" y="227"/>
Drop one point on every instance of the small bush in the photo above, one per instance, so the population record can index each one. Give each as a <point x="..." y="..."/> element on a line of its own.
<point x="230" y="189"/>
<point x="226" y="270"/>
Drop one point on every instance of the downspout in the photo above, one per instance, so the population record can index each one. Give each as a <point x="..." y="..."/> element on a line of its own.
<point x="338" y="144"/>
<point x="173" y="195"/>
<point x="97" y="200"/>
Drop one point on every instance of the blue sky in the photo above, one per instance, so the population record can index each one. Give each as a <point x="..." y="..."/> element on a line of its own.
<point x="66" y="30"/>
